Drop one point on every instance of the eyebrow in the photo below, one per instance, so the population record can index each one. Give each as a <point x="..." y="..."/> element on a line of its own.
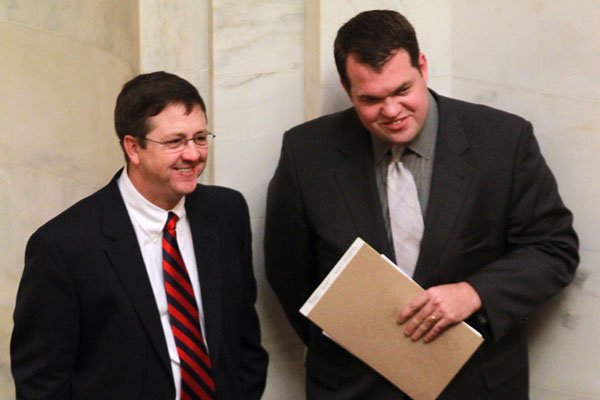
<point x="404" y="86"/>
<point x="203" y="131"/>
<point x="399" y="89"/>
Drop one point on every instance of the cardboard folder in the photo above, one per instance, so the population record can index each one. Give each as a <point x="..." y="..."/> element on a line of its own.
<point x="357" y="305"/>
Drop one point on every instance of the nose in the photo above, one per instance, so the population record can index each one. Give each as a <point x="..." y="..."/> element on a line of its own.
<point x="390" y="107"/>
<point x="191" y="152"/>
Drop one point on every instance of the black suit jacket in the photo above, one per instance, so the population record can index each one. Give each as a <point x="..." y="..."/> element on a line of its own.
<point x="86" y="321"/>
<point x="495" y="220"/>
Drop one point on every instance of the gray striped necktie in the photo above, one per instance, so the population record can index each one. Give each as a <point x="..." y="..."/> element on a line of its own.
<point x="406" y="219"/>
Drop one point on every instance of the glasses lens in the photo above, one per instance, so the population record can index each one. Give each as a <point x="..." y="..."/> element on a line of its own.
<point x="175" y="144"/>
<point x="202" y="140"/>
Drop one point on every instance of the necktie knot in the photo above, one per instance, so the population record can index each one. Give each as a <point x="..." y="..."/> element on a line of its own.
<point x="396" y="153"/>
<point x="171" y="223"/>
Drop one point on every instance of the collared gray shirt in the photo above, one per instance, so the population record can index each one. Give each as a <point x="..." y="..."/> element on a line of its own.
<point x="417" y="156"/>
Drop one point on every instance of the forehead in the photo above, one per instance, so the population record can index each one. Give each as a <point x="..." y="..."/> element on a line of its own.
<point x="394" y="73"/>
<point x="175" y="118"/>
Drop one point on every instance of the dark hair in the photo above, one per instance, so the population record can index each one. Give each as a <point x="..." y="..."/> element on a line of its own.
<point x="147" y="95"/>
<point x="373" y="37"/>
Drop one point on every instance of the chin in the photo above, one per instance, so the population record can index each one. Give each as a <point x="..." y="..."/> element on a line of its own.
<point x="401" y="137"/>
<point x="186" y="188"/>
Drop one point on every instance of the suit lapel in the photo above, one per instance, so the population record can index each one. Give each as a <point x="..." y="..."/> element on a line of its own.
<point x="124" y="254"/>
<point x="204" y="227"/>
<point x="355" y="177"/>
<point x="449" y="184"/>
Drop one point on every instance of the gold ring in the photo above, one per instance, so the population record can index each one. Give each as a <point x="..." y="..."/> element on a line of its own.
<point x="433" y="318"/>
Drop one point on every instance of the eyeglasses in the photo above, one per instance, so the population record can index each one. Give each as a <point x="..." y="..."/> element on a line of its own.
<point x="201" y="140"/>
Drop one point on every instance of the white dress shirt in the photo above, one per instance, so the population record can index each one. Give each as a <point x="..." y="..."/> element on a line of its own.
<point x="148" y="222"/>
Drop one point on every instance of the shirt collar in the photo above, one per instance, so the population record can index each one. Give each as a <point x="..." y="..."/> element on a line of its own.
<point x="423" y="144"/>
<point x="150" y="218"/>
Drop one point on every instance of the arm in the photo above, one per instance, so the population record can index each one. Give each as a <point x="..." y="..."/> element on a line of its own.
<point x="289" y="253"/>
<point x="542" y="251"/>
<point x="46" y="319"/>
<point x="540" y="259"/>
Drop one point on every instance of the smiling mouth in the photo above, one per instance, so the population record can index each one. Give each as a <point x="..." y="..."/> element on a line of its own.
<point x="395" y="124"/>
<point x="396" y="121"/>
<point x="188" y="169"/>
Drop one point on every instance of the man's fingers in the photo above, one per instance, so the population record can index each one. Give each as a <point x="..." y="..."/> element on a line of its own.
<point x="425" y="325"/>
<point x="436" y="330"/>
<point x="413" y="307"/>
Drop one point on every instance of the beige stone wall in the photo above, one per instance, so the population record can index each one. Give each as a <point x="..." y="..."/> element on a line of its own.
<point x="257" y="86"/>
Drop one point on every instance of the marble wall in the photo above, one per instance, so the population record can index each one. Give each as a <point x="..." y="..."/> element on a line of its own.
<point x="62" y="65"/>
<point x="257" y="95"/>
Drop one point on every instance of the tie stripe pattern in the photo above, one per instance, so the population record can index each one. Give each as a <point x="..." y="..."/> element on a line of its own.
<point x="406" y="219"/>
<point x="196" y="378"/>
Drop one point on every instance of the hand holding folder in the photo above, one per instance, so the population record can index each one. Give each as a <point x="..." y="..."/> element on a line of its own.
<point x="357" y="304"/>
<point x="436" y="309"/>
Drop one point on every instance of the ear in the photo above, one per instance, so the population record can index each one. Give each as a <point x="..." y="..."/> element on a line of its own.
<point x="132" y="148"/>
<point x="423" y="66"/>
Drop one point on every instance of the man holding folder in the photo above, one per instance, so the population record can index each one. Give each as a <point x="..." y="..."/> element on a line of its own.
<point x="458" y="194"/>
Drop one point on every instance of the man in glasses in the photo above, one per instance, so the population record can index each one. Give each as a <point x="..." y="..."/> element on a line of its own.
<point x="145" y="289"/>
<point x="457" y="194"/>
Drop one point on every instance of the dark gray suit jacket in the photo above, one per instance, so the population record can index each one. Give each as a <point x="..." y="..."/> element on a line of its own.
<point x="495" y="220"/>
<point x="86" y="322"/>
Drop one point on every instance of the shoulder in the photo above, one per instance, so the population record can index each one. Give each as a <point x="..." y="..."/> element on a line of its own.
<point x="219" y="207"/>
<point x="324" y="127"/>
<point x="77" y="230"/>
<point x="215" y="193"/>
<point x="218" y="198"/>
<point x="82" y="214"/>
<point x="319" y="141"/>
<point x="483" y="126"/>
<point x="326" y="121"/>
<point x="477" y="114"/>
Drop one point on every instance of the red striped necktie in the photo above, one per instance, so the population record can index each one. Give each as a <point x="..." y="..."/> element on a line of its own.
<point x="196" y="376"/>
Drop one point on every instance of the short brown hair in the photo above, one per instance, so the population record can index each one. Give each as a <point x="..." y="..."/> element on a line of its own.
<point x="373" y="37"/>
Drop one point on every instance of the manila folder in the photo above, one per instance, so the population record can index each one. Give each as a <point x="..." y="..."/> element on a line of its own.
<point x="357" y="305"/>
